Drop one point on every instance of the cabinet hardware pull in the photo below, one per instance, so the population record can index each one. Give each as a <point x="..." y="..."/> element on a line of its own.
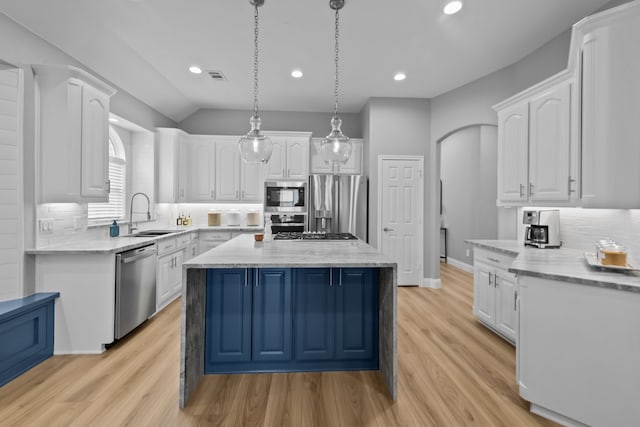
<point x="571" y="181"/>
<point x="515" y="298"/>
<point x="288" y="173"/>
<point x="490" y="282"/>
<point x="340" y="278"/>
<point x="531" y="188"/>
<point x="211" y="193"/>
<point x="108" y="186"/>
<point x="493" y="259"/>
<point x="495" y="280"/>
<point x="521" y="191"/>
<point x="387" y="229"/>
<point x="331" y="277"/>
<point x="283" y="175"/>
<point x="246" y="277"/>
<point x="257" y="274"/>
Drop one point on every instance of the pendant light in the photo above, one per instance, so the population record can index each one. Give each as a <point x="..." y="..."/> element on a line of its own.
<point x="336" y="147"/>
<point x="254" y="146"/>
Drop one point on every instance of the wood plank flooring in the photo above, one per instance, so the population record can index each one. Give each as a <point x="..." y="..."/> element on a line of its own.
<point x="452" y="372"/>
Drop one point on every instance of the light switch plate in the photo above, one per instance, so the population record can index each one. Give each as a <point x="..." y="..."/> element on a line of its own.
<point x="46" y="225"/>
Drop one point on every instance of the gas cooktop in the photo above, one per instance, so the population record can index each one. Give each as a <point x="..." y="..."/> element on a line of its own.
<point x="309" y="235"/>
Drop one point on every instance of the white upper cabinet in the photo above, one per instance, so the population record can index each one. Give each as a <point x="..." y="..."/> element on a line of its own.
<point x="549" y="144"/>
<point x="251" y="182"/>
<point x="513" y="158"/>
<point x="74" y="135"/>
<point x="610" y="73"/>
<point x="290" y="156"/>
<point x="537" y="156"/>
<point x="201" y="177"/>
<point x="171" y="167"/>
<point x="227" y="170"/>
<point x="353" y="166"/>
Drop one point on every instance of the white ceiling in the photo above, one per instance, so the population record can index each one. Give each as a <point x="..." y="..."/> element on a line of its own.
<point x="146" y="46"/>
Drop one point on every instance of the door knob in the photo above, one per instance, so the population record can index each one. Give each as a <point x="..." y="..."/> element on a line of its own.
<point x="387" y="229"/>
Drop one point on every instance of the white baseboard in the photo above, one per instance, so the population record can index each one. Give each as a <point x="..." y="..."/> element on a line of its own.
<point x="461" y="265"/>
<point x="431" y="283"/>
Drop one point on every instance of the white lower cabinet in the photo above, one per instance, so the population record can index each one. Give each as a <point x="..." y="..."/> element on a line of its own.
<point x="495" y="292"/>
<point x="578" y="351"/>
<point x="171" y="254"/>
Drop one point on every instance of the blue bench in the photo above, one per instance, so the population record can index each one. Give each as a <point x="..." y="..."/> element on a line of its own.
<point x="26" y="333"/>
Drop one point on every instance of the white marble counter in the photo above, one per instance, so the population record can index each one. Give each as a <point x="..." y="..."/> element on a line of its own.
<point x="564" y="264"/>
<point x="244" y="251"/>
<point x="126" y="242"/>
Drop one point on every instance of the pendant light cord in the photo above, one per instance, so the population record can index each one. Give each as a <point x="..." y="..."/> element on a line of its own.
<point x="337" y="35"/>
<point x="256" y="53"/>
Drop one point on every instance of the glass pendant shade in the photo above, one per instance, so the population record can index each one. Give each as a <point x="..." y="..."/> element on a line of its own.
<point x="336" y="147"/>
<point x="254" y="146"/>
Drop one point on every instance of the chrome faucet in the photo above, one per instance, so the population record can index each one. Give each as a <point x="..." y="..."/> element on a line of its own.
<point x="131" y="226"/>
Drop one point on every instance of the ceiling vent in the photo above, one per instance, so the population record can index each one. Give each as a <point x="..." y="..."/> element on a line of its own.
<point x="217" y="76"/>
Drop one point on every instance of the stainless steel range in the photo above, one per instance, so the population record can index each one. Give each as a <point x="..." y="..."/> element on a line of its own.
<point x="309" y="235"/>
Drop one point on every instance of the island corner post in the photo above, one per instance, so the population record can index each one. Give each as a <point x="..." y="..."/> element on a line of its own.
<point x="192" y="354"/>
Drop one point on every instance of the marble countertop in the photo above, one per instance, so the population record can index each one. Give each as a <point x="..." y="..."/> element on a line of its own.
<point x="244" y="252"/>
<point x="125" y="242"/>
<point x="510" y="247"/>
<point x="564" y="264"/>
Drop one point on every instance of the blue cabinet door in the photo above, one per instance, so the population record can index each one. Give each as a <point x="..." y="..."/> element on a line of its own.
<point x="272" y="314"/>
<point x="356" y="313"/>
<point x="228" y="316"/>
<point x="315" y="314"/>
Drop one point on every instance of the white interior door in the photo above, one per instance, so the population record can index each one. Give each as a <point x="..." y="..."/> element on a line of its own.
<point x="400" y="214"/>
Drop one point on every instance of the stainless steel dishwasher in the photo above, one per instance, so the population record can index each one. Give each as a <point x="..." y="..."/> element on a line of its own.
<point x="135" y="288"/>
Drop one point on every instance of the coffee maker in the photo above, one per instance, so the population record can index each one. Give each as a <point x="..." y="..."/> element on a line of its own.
<point x="543" y="228"/>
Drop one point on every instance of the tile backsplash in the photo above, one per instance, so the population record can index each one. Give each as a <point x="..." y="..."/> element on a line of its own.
<point x="582" y="228"/>
<point x="59" y="223"/>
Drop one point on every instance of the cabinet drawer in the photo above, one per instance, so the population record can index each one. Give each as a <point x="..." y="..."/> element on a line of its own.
<point x="493" y="258"/>
<point x="166" y="246"/>
<point x="195" y="237"/>
<point x="183" y="241"/>
<point x="215" y="236"/>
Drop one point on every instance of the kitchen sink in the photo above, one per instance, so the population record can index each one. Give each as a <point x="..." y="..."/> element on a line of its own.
<point x="152" y="233"/>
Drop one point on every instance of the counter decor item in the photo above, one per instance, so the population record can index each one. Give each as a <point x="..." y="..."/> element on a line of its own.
<point x="253" y="217"/>
<point x="258" y="237"/>
<point x="114" y="229"/>
<point x="594" y="261"/>
<point x="233" y="217"/>
<point x="214" y="218"/>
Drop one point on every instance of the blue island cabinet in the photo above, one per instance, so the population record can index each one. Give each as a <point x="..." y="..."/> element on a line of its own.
<point x="291" y="319"/>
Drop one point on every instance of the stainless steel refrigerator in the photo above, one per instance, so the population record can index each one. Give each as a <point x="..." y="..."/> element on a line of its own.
<point x="339" y="204"/>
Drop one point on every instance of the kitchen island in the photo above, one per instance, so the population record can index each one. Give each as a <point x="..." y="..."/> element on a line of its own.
<point x="285" y="306"/>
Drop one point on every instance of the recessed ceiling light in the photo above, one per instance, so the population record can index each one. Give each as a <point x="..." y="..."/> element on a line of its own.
<point x="195" y="69"/>
<point x="399" y="77"/>
<point x="453" y="7"/>
<point x="113" y="120"/>
<point x="296" y="74"/>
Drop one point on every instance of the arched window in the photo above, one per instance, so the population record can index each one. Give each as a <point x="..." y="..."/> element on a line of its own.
<point x="115" y="208"/>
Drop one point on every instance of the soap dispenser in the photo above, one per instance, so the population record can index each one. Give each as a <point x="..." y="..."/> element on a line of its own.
<point x="114" y="229"/>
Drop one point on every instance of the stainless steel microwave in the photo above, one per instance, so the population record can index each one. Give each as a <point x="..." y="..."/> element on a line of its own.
<point x="285" y="197"/>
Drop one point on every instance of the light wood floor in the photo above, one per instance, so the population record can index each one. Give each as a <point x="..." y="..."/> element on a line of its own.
<point x="452" y="372"/>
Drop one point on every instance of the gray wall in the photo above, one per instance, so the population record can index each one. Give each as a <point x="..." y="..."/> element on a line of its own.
<point x="468" y="169"/>
<point x="236" y="122"/>
<point x="471" y="105"/>
<point x="393" y="126"/>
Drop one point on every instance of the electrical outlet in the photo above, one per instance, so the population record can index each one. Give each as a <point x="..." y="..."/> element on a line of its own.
<point x="77" y="222"/>
<point x="46" y="225"/>
<point x="468" y="252"/>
